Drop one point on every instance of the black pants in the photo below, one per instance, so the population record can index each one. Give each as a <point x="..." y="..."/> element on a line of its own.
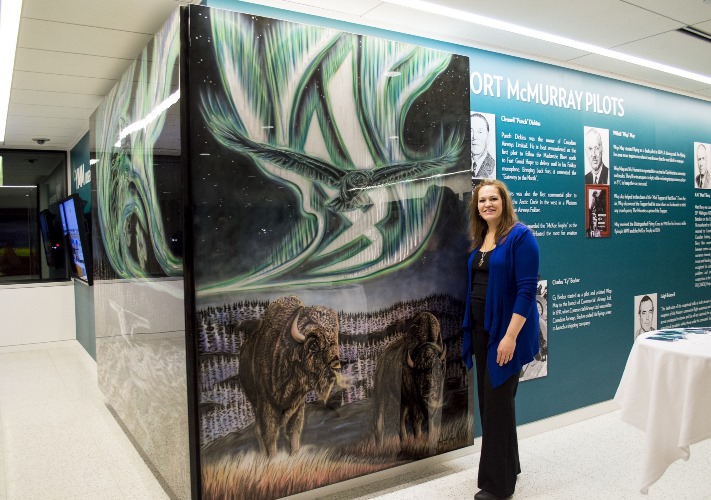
<point x="498" y="464"/>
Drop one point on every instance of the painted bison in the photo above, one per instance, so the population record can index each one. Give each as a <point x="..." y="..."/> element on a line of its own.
<point x="292" y="350"/>
<point x="411" y="371"/>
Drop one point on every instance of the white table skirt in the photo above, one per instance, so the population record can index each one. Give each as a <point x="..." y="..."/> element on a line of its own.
<point x="666" y="392"/>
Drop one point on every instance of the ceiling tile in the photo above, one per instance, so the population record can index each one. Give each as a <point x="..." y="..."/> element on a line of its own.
<point x="60" y="137"/>
<point x="16" y="110"/>
<point x="64" y="63"/>
<point x="55" y="98"/>
<point x="705" y="26"/>
<point x="675" y="49"/>
<point x="464" y="33"/>
<point x="47" y="123"/>
<point x="140" y="16"/>
<point x="347" y="10"/>
<point x="640" y="73"/>
<point x="62" y="37"/>
<point x="344" y="6"/>
<point x="685" y="11"/>
<point x="61" y="83"/>
<point x="577" y="19"/>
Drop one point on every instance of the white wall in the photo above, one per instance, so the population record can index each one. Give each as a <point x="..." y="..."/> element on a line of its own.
<point x="38" y="312"/>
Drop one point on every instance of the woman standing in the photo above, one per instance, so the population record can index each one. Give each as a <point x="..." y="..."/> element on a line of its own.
<point x="500" y="327"/>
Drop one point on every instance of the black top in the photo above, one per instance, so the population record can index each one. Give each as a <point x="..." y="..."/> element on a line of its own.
<point x="480" y="276"/>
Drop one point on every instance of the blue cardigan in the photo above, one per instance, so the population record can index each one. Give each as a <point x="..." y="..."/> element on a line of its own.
<point x="513" y="279"/>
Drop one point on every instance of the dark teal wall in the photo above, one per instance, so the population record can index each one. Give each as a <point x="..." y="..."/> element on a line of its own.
<point x="80" y="171"/>
<point x="83" y="295"/>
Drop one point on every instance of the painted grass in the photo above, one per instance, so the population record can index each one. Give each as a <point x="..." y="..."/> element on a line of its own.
<point x="254" y="476"/>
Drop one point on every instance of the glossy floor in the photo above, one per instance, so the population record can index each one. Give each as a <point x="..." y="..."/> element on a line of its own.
<point x="58" y="441"/>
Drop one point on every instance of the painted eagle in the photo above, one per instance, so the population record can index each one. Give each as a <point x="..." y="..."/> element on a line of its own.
<point x="351" y="184"/>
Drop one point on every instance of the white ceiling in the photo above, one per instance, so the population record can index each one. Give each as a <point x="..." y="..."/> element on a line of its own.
<point x="71" y="52"/>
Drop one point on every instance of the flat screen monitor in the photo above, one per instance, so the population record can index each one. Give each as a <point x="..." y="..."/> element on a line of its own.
<point x="76" y="236"/>
<point x="44" y="217"/>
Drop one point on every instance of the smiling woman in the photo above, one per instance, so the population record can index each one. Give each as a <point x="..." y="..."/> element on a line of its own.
<point x="501" y="324"/>
<point x="32" y="184"/>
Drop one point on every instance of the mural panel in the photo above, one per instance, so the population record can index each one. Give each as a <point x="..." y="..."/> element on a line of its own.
<point x="330" y="175"/>
<point x="138" y="289"/>
<point x="136" y="183"/>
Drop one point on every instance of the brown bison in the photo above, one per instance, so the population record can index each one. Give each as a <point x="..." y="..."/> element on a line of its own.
<point x="411" y="371"/>
<point x="292" y="350"/>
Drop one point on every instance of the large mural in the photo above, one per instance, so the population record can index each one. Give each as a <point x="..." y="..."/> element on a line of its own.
<point x="329" y="174"/>
<point x="136" y="166"/>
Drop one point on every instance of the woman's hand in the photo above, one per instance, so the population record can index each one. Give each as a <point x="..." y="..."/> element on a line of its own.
<point x="507" y="346"/>
<point x="505" y="351"/>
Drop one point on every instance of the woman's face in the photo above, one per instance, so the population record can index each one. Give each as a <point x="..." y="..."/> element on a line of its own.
<point x="490" y="205"/>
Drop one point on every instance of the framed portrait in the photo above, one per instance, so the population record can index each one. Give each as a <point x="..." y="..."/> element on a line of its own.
<point x="597" y="211"/>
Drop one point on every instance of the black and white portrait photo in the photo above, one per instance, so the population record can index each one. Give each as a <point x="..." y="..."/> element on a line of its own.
<point x="645" y="319"/>
<point x="702" y="178"/>
<point x="597" y="209"/>
<point x="539" y="366"/>
<point x="597" y="155"/>
<point x="483" y="129"/>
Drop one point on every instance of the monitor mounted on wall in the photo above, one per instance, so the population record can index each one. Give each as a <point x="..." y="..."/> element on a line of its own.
<point x="44" y="217"/>
<point x="76" y="236"/>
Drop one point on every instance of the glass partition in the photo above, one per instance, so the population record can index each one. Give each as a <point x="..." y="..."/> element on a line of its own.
<point x="31" y="243"/>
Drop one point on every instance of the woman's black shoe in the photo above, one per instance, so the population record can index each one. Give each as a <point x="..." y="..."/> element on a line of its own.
<point x="485" y="495"/>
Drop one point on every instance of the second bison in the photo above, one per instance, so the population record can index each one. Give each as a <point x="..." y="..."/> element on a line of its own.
<point x="411" y="371"/>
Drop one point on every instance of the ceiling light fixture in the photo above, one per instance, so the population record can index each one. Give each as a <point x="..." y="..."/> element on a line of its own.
<point x="10" y="11"/>
<point x="541" y="35"/>
<point x="696" y="33"/>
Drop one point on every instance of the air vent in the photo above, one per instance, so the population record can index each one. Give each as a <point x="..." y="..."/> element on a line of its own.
<point x="696" y="33"/>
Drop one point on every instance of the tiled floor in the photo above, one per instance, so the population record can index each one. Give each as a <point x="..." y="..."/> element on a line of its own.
<point x="58" y="441"/>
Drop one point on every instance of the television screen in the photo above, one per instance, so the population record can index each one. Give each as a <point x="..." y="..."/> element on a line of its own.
<point x="44" y="218"/>
<point x="75" y="234"/>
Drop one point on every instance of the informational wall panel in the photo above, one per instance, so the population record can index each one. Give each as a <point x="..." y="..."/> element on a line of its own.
<point x="611" y="177"/>
<point x="588" y="158"/>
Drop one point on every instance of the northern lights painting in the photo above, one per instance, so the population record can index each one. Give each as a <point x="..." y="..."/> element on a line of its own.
<point x="329" y="179"/>
<point x="136" y="170"/>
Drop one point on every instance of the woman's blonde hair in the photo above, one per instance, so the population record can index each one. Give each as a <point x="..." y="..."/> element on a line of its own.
<point x="478" y="226"/>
